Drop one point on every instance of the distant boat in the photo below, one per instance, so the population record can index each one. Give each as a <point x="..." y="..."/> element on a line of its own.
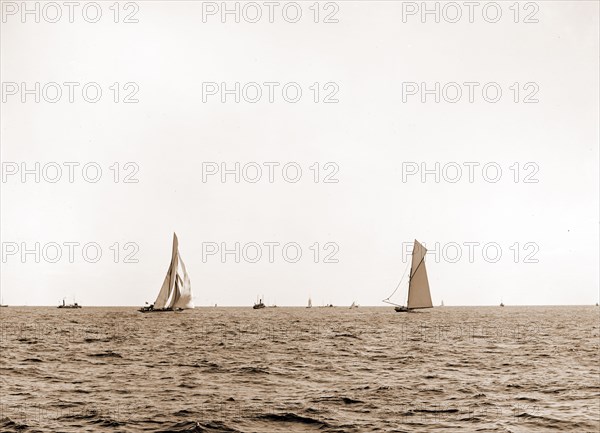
<point x="4" y="305"/>
<point x="442" y="303"/>
<point x="418" y="284"/>
<point x="176" y="291"/>
<point x="73" y="305"/>
<point x="354" y="305"/>
<point x="309" y="303"/>
<point x="501" y="304"/>
<point x="258" y="305"/>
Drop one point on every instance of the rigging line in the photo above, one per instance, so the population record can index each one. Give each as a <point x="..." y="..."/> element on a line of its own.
<point x="399" y="282"/>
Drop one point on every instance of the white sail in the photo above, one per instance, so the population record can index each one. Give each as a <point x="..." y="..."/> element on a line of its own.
<point x="184" y="299"/>
<point x="170" y="279"/>
<point x="418" y="288"/>
<point x="309" y="303"/>
<point x="176" y="291"/>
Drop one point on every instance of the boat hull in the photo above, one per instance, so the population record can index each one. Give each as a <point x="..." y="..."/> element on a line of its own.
<point x="401" y="309"/>
<point x="69" y="306"/>
<point x="258" y="306"/>
<point x="159" y="310"/>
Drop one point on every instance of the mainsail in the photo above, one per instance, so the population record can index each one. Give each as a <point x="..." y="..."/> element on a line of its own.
<point x="418" y="286"/>
<point x="309" y="303"/>
<point x="176" y="291"/>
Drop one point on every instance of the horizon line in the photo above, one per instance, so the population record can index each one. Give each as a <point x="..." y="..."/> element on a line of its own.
<point x="318" y="306"/>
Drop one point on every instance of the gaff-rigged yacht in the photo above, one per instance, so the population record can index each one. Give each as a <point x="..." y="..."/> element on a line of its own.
<point x="418" y="284"/>
<point x="176" y="291"/>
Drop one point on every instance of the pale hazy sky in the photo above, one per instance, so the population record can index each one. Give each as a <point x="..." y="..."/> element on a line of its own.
<point x="369" y="214"/>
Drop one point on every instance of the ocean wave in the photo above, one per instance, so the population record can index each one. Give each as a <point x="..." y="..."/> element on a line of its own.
<point x="197" y="427"/>
<point x="292" y="418"/>
<point x="106" y="354"/>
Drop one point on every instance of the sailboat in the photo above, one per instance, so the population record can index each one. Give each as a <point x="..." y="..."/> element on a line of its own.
<point x="442" y="303"/>
<point x="2" y="304"/>
<point x="354" y="305"/>
<point x="176" y="291"/>
<point x="309" y="303"/>
<point x="418" y="284"/>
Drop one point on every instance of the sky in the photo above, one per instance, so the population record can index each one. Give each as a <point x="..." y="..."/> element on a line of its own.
<point x="162" y="135"/>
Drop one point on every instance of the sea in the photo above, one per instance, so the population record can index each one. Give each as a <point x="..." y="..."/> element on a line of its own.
<point x="447" y="369"/>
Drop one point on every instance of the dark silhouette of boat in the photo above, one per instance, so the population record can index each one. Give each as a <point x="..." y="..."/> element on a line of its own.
<point x="150" y="309"/>
<point x="73" y="305"/>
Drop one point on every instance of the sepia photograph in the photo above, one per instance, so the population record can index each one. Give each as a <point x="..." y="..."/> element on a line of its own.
<point x="350" y="216"/>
